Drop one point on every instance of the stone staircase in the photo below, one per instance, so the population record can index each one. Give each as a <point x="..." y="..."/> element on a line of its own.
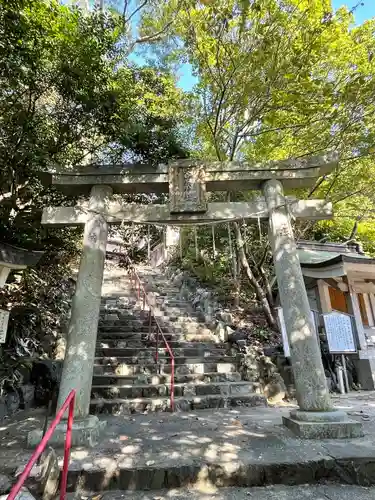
<point x="126" y="378"/>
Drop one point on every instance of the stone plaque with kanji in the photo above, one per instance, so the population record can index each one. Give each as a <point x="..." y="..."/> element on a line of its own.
<point x="4" y="318"/>
<point x="187" y="188"/>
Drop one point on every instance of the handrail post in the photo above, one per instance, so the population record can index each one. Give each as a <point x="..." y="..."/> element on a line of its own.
<point x="139" y="288"/>
<point x="157" y="346"/>
<point x="172" y="384"/>
<point x="68" y="445"/>
<point x="69" y="402"/>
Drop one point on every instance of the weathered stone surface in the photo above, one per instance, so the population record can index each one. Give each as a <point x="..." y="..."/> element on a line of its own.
<point x="309" y="376"/>
<point x="85" y="432"/>
<point x="275" y="390"/>
<point x="44" y="477"/>
<point x="324" y="430"/>
<point x="13" y="402"/>
<point x="80" y="353"/>
<point x="323" y="416"/>
<point x="5" y="484"/>
<point x="3" y="409"/>
<point x="24" y="494"/>
<point x="26" y="393"/>
<point x="277" y="492"/>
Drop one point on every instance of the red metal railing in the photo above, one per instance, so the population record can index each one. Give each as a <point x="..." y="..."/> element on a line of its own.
<point x="140" y="290"/>
<point x="69" y="402"/>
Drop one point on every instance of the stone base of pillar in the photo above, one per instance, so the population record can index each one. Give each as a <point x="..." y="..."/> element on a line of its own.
<point x="323" y="425"/>
<point x="85" y="432"/>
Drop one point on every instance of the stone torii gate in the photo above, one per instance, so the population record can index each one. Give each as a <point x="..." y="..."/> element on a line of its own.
<point x="187" y="181"/>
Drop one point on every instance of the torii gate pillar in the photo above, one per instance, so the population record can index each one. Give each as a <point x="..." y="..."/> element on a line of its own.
<point x="83" y="326"/>
<point x="309" y="377"/>
<point x="315" y="417"/>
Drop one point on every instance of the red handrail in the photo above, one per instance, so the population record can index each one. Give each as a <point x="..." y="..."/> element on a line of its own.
<point x="140" y="289"/>
<point x="41" y="446"/>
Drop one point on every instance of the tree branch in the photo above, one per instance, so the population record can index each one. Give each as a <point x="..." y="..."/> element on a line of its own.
<point x="261" y="296"/>
<point x="127" y="20"/>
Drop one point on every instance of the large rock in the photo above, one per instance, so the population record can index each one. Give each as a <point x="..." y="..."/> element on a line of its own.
<point x="5" y="484"/>
<point x="224" y="332"/>
<point x="24" y="494"/>
<point x="249" y="364"/>
<point x="43" y="481"/>
<point x="3" y="408"/>
<point x="275" y="390"/>
<point x="225" y="317"/>
<point x="26" y="393"/>
<point x="45" y="376"/>
<point x="13" y="402"/>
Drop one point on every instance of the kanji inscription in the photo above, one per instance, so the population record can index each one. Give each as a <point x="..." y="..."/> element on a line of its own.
<point x="187" y="188"/>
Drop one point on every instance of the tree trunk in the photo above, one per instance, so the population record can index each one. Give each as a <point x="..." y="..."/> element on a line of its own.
<point x="267" y="286"/>
<point x="237" y="292"/>
<point x="261" y="296"/>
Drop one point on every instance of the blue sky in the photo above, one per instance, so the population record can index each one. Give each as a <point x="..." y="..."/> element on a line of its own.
<point x="362" y="12"/>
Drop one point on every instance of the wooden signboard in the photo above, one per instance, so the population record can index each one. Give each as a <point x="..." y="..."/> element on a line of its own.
<point x="4" y="318"/>
<point x="339" y="331"/>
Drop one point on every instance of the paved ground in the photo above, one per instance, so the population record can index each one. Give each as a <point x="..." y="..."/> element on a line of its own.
<point x="305" y="492"/>
<point x="246" y="446"/>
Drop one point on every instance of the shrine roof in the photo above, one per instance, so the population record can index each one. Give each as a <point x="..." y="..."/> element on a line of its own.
<point x="11" y="256"/>
<point x="315" y="254"/>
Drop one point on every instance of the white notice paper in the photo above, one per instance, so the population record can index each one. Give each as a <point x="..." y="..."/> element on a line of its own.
<point x="339" y="331"/>
<point x="4" y="318"/>
<point x="284" y="335"/>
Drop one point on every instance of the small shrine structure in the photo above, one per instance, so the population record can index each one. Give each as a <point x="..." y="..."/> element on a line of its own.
<point x="341" y="278"/>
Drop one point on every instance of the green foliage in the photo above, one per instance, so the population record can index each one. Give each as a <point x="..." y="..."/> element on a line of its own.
<point x="280" y="79"/>
<point x="39" y="300"/>
<point x="68" y="96"/>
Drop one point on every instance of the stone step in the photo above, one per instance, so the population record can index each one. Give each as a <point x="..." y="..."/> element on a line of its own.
<point x="139" y="405"/>
<point x="175" y="302"/>
<point x="123" y="329"/>
<point x="124" y="341"/>
<point x="163" y="289"/>
<point x="155" y="379"/>
<point x="178" y="352"/>
<point x="165" y="321"/>
<point x="127" y="313"/>
<point x="117" y="367"/>
<point x="143" y="334"/>
<point x="274" y="492"/>
<point x="137" y="323"/>
<point x="136" y="336"/>
<point x="186" y="389"/>
<point x="179" y="360"/>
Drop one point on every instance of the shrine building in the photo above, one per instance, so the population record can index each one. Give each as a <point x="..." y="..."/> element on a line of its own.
<point x="341" y="278"/>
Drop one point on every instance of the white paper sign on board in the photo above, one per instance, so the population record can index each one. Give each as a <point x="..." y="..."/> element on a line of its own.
<point x="339" y="331"/>
<point x="4" y="318"/>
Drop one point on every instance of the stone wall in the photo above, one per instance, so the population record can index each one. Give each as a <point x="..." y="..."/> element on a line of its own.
<point x="253" y="364"/>
<point x="21" y="398"/>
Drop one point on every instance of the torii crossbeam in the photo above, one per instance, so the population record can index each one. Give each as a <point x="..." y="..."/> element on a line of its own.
<point x="187" y="182"/>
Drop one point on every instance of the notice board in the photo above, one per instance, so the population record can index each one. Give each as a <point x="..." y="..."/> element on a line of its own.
<point x="339" y="331"/>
